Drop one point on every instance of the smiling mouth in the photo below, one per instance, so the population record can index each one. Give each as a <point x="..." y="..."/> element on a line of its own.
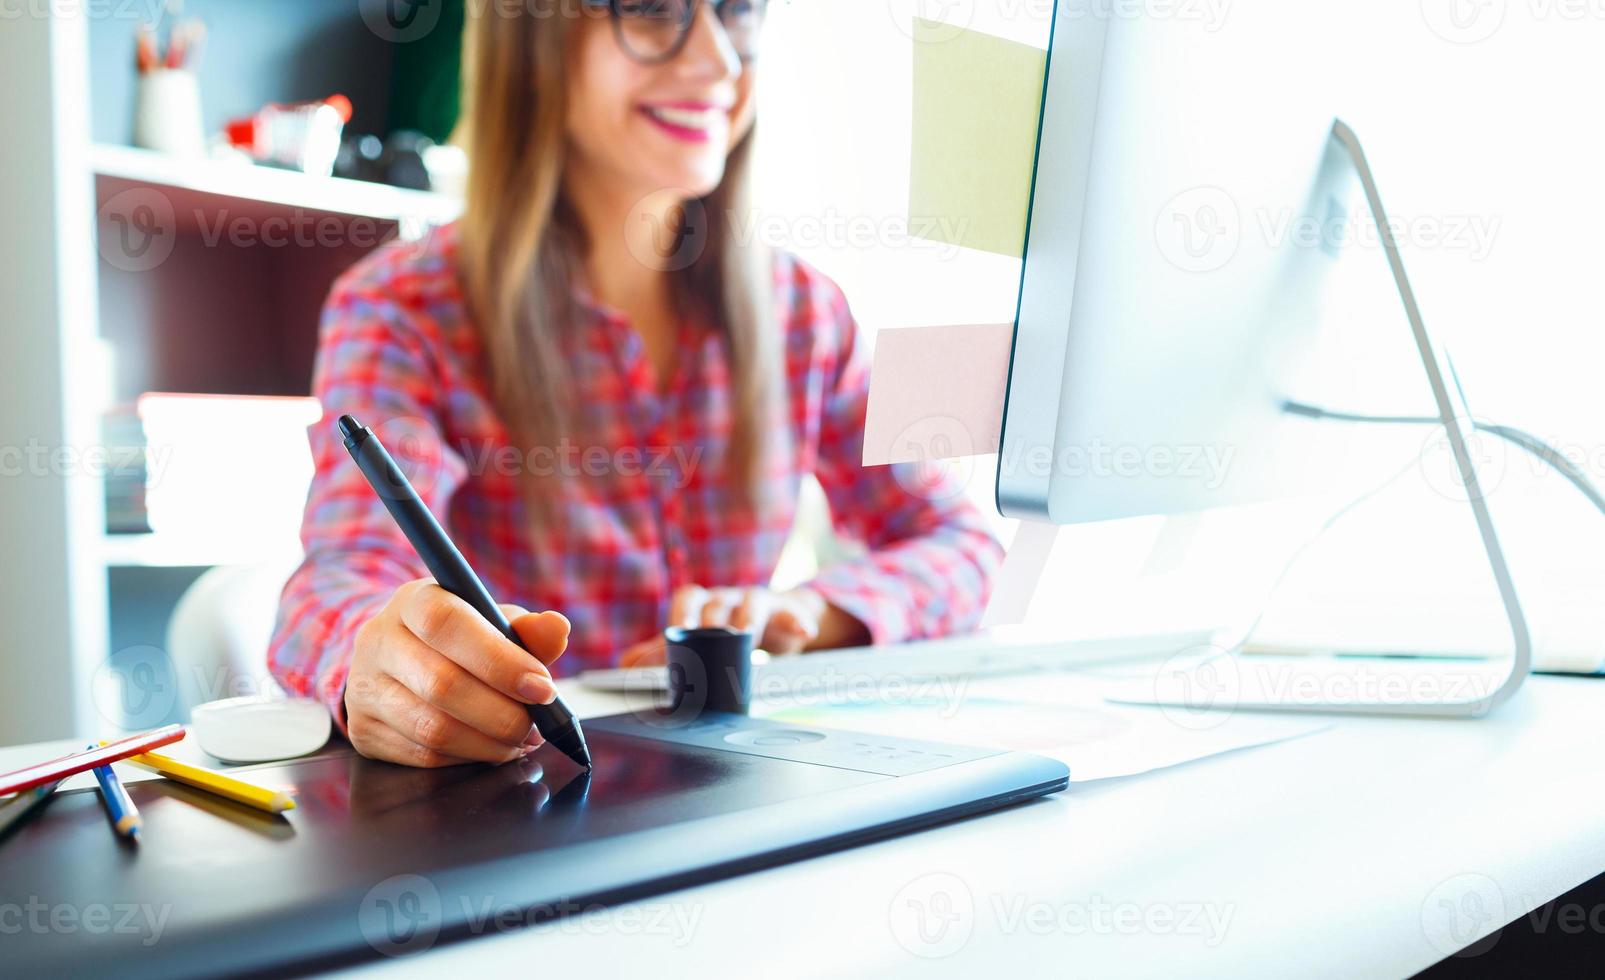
<point x="687" y="122"/>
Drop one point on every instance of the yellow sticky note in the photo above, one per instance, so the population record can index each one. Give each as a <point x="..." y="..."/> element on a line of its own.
<point x="977" y="102"/>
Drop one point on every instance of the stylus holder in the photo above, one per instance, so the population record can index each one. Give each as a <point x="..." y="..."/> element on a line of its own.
<point x="710" y="669"/>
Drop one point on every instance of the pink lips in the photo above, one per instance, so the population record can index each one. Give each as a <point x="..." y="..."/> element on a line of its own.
<point x="683" y="133"/>
<point x="687" y="106"/>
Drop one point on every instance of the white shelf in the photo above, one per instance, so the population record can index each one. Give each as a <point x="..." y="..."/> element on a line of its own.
<point x="182" y="551"/>
<point x="119" y="168"/>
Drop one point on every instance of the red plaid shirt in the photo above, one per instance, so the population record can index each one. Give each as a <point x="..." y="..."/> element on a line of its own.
<point x="643" y="508"/>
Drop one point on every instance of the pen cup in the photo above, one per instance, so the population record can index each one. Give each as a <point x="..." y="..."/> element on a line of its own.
<point x="167" y="113"/>
<point x="710" y="669"/>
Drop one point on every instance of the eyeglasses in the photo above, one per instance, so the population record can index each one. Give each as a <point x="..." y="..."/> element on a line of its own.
<point x="655" y="31"/>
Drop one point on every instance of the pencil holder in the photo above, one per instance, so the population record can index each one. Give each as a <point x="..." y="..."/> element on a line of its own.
<point x="710" y="669"/>
<point x="167" y="112"/>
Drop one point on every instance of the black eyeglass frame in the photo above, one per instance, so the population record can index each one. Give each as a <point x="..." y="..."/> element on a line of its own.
<point x="617" y="16"/>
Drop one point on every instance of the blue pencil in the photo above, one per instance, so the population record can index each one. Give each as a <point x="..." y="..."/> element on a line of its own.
<point x="124" y="815"/>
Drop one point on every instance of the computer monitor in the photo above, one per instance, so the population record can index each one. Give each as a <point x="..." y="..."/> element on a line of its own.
<point x="1170" y="303"/>
<point x="1145" y="316"/>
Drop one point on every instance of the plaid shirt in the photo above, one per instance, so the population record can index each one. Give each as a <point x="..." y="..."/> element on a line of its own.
<point x="643" y="508"/>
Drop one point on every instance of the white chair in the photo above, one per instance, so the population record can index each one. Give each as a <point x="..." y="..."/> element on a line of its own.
<point x="219" y="632"/>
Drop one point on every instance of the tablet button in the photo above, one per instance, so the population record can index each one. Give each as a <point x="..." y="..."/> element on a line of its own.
<point x="761" y="737"/>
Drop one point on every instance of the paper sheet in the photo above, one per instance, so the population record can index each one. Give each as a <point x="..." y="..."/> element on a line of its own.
<point x="1060" y="714"/>
<point x="937" y="393"/>
<point x="977" y="102"/>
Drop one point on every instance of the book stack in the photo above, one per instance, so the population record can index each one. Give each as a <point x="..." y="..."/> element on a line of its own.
<point x="125" y="472"/>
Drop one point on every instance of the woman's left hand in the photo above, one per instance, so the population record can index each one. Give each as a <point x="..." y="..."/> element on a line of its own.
<point x="782" y="622"/>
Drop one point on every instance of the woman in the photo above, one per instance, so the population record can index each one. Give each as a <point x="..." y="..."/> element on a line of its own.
<point x="609" y="400"/>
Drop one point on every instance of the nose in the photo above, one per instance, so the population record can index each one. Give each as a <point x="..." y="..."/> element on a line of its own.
<point x="708" y="48"/>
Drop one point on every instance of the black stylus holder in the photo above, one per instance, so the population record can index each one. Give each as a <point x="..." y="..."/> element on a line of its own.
<point x="710" y="669"/>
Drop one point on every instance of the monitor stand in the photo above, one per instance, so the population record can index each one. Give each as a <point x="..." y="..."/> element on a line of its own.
<point x="1206" y="684"/>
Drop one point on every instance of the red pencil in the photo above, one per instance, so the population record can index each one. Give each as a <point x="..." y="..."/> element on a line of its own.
<point x="67" y="765"/>
<point x="145" y="48"/>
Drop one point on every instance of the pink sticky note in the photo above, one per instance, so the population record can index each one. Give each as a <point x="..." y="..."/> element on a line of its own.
<point x="936" y="393"/>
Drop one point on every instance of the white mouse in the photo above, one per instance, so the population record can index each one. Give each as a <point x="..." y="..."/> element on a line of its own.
<point x="260" y="729"/>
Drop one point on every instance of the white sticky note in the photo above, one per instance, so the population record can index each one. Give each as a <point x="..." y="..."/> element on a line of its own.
<point x="937" y="393"/>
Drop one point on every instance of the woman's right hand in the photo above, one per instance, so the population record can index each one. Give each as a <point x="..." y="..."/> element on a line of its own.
<point x="432" y="683"/>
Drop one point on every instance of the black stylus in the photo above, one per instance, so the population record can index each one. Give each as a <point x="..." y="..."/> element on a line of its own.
<point x="556" y="723"/>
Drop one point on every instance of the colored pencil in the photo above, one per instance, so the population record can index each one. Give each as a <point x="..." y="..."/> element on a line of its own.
<point x="249" y="794"/>
<point x="67" y="765"/>
<point x="145" y="49"/>
<point x="24" y="805"/>
<point x="124" y="815"/>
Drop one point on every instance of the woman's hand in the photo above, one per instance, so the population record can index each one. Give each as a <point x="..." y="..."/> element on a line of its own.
<point x="432" y="683"/>
<point x="783" y="622"/>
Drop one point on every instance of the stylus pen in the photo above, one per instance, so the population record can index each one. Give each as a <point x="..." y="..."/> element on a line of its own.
<point x="555" y="721"/>
<point x="124" y="815"/>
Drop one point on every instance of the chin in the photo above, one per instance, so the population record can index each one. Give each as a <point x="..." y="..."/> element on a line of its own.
<point x="694" y="183"/>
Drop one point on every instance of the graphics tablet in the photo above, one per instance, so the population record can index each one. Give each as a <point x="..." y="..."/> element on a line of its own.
<point x="380" y="859"/>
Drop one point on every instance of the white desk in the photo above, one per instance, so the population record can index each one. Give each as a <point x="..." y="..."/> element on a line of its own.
<point x="1326" y="856"/>
<point x="1341" y="854"/>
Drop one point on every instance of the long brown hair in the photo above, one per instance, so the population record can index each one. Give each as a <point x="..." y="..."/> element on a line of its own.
<point x="521" y="244"/>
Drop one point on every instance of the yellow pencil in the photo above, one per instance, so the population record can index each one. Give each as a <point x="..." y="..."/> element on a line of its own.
<point x="270" y="800"/>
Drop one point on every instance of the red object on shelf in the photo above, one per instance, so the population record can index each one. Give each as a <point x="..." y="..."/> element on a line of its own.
<point x="304" y="135"/>
<point x="340" y="104"/>
<point x="246" y="131"/>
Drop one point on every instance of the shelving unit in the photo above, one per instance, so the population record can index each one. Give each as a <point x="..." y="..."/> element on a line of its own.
<point x="233" y="309"/>
<point x="207" y="195"/>
<point x="233" y="304"/>
<point x="202" y="186"/>
<point x="223" y="315"/>
<point x="213" y="315"/>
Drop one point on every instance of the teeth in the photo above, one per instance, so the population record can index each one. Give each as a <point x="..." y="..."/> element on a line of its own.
<point x="687" y="118"/>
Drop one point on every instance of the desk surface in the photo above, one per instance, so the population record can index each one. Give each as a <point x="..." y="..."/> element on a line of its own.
<point x="1373" y="849"/>
<point x="1361" y="851"/>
